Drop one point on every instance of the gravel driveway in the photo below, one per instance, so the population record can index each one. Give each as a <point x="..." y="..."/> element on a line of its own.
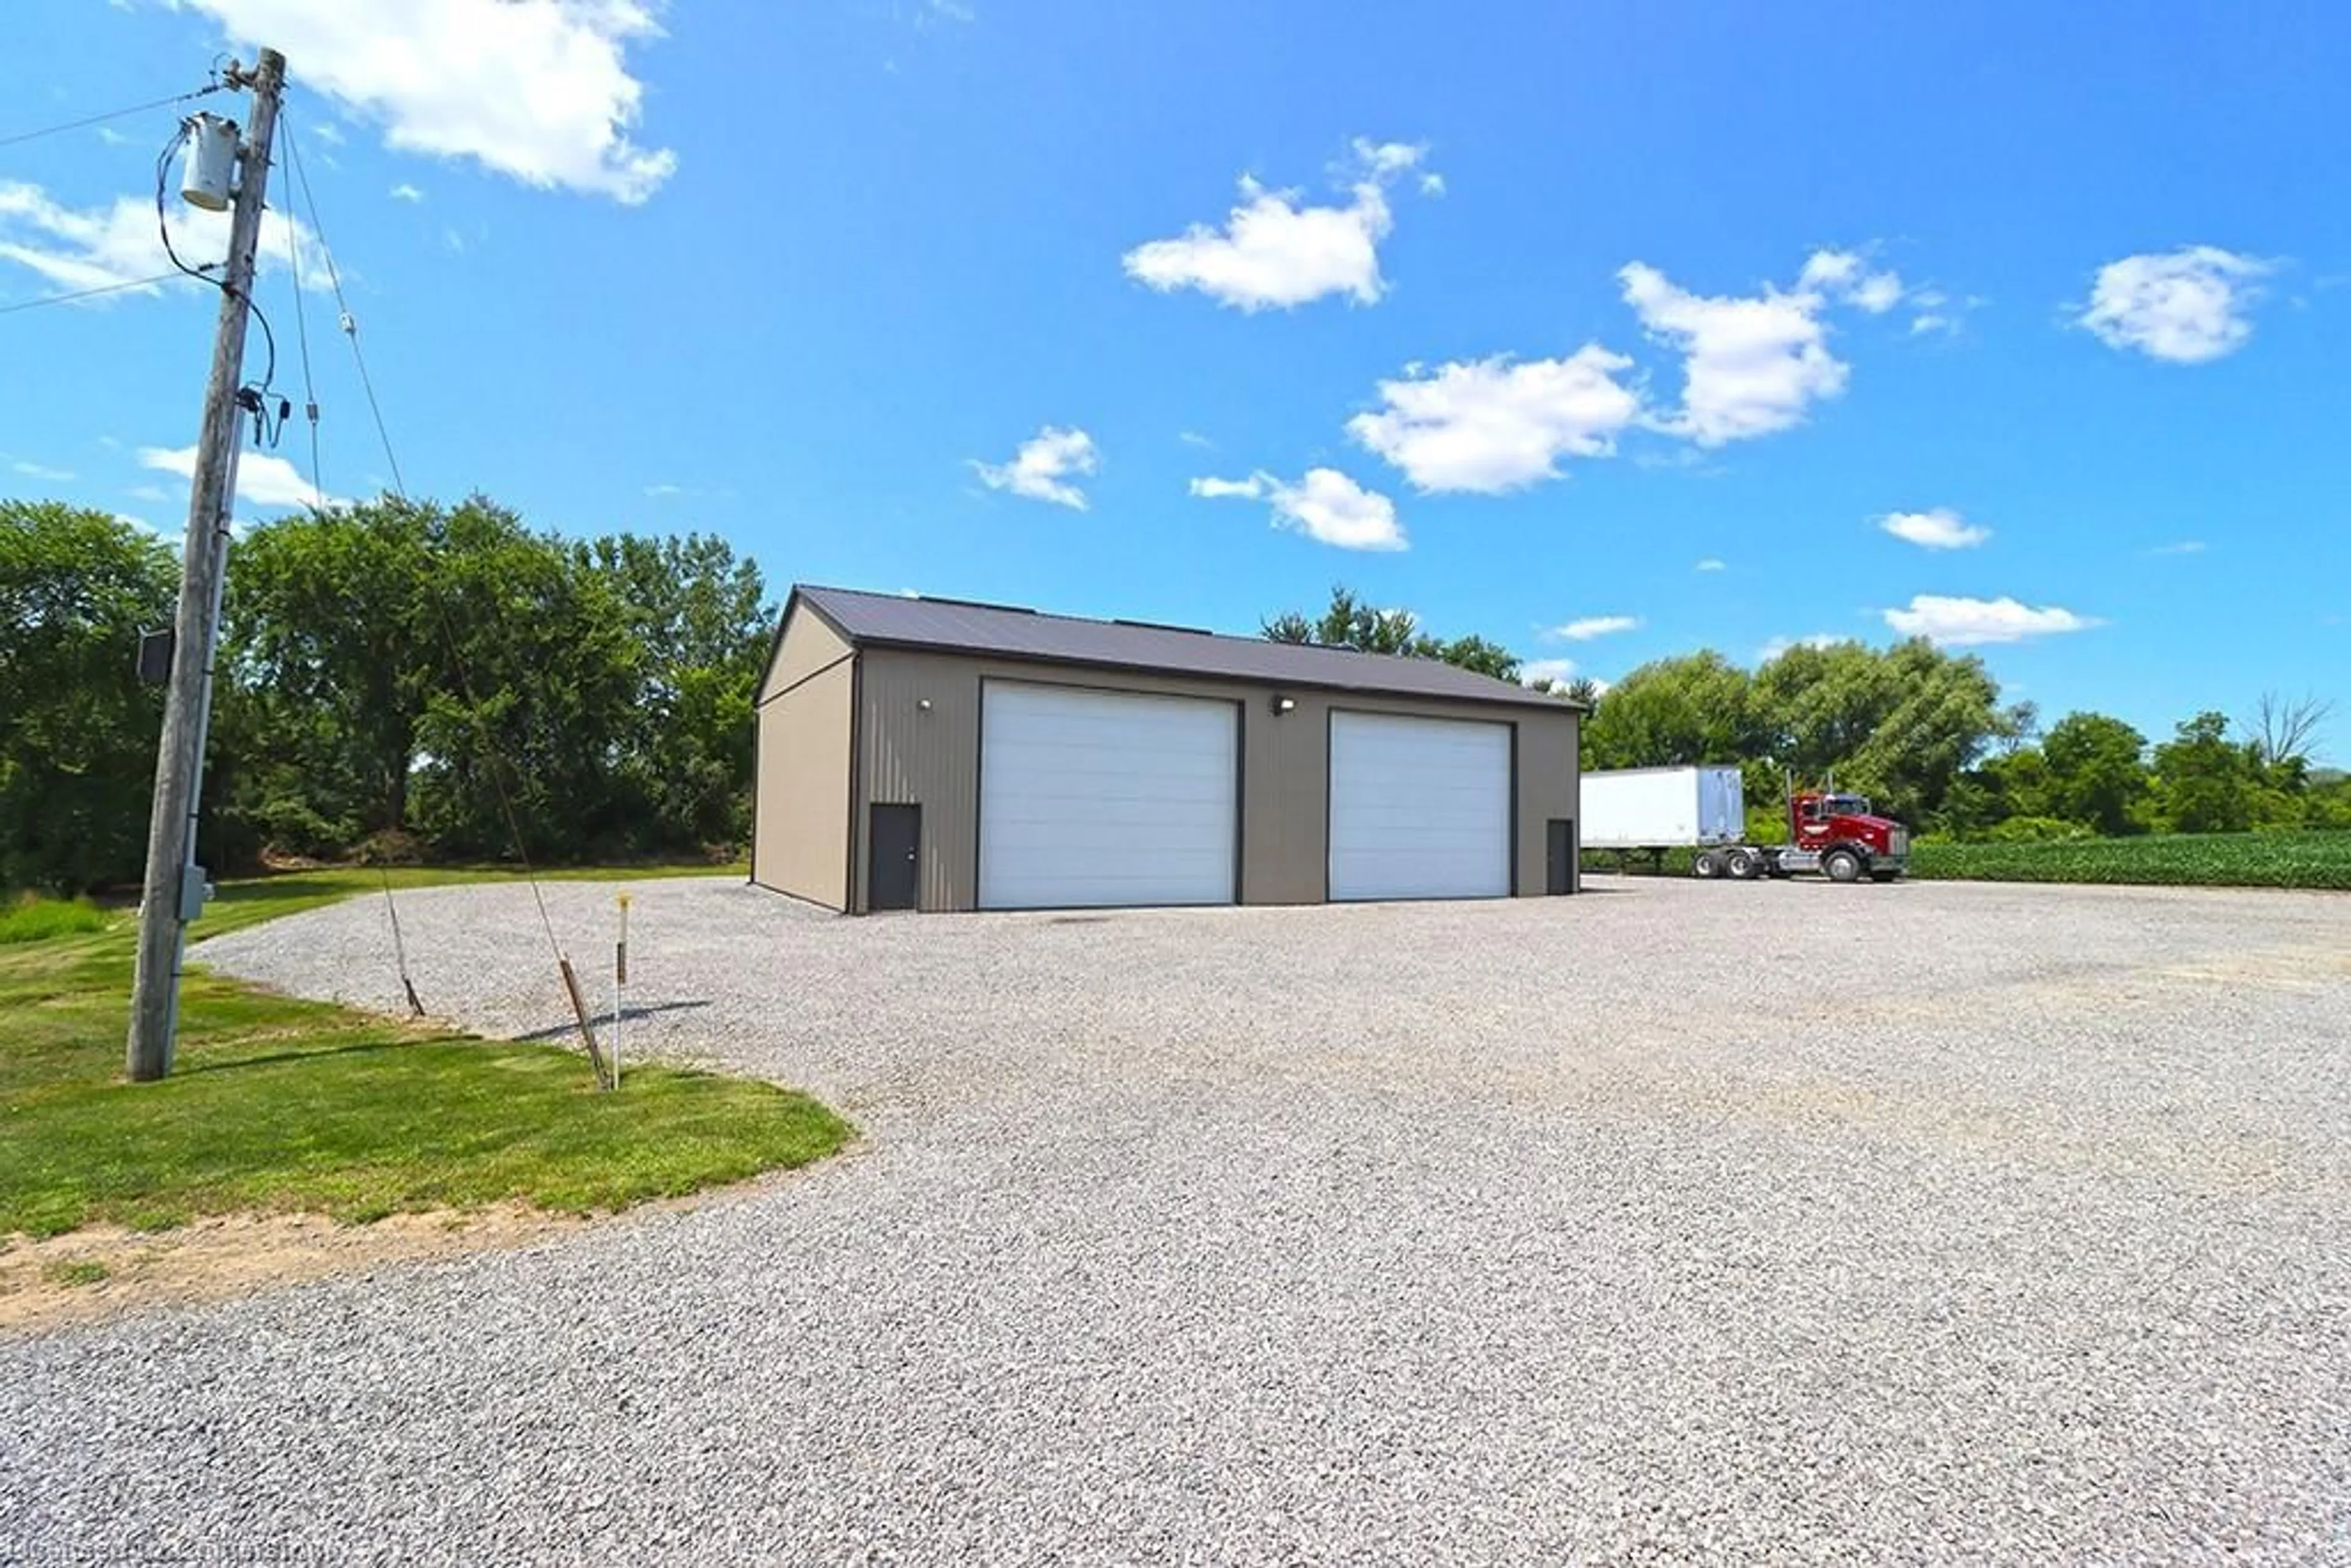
<point x="1757" y="1223"/>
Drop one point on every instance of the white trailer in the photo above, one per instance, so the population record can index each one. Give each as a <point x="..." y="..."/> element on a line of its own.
<point x="1664" y="808"/>
<point x="1648" y="811"/>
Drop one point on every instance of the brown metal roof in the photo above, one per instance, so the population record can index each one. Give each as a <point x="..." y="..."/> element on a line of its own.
<point x="960" y="626"/>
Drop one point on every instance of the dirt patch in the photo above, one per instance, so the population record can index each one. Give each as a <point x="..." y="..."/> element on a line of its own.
<point x="104" y="1270"/>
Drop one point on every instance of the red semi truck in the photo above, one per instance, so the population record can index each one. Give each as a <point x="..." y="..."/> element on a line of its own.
<point x="1653" y="809"/>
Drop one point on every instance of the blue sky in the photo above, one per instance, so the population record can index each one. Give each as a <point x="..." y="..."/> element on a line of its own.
<point x="2021" y="327"/>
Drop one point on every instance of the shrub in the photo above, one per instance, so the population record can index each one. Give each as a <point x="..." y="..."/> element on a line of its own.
<point x="36" y="919"/>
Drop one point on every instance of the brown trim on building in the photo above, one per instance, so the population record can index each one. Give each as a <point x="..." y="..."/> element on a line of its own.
<point x="780" y="692"/>
<point x="978" y="791"/>
<point x="796" y="600"/>
<point x="849" y="904"/>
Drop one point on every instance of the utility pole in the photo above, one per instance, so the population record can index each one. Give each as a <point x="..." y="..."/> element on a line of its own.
<point x="175" y="889"/>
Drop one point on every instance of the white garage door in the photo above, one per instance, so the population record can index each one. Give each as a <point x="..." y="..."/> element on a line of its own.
<point x="1420" y="808"/>
<point x="1101" y="798"/>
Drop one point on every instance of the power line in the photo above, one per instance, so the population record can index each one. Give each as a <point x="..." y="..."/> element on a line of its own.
<point x="348" y="322"/>
<point x="91" y="293"/>
<point x="309" y="388"/>
<point x="497" y="757"/>
<point x="111" y="114"/>
<point x="319" y="493"/>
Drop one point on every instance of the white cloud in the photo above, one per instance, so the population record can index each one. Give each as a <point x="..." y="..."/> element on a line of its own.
<point x="1385" y="161"/>
<point x="1493" y="425"/>
<point x="1710" y="563"/>
<point x="1845" y="275"/>
<point x="1751" y="365"/>
<point x="1325" y="506"/>
<point x="538" y="89"/>
<point x="2184" y="547"/>
<point x="661" y="492"/>
<point x="404" y="191"/>
<point x="1042" y="468"/>
<point x="262" y="480"/>
<point x="1275" y="252"/>
<point x="41" y="471"/>
<point x="327" y="131"/>
<point x="1970" y="623"/>
<point x="1272" y="253"/>
<point x="1590" y="626"/>
<point x="2186" y="305"/>
<point x="104" y="247"/>
<point x="1779" y="645"/>
<point x="1222" y="489"/>
<point x="1941" y="528"/>
<point x="147" y="492"/>
<point x="1193" y="438"/>
<point x="1544" y="674"/>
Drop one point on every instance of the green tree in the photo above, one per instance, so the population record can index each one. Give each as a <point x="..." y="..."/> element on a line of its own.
<point x="333" y="636"/>
<point x="529" y="709"/>
<point x="2204" y="783"/>
<point x="1902" y="724"/>
<point x="2098" y="774"/>
<point x="700" y="617"/>
<point x="78" y="729"/>
<point x="1350" y="623"/>
<point x="1696" y="708"/>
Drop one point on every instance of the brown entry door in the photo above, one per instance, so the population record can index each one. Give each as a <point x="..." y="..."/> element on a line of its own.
<point x="893" y="857"/>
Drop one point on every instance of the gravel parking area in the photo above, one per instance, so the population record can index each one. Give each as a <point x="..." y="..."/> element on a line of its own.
<point x="1762" y="1223"/>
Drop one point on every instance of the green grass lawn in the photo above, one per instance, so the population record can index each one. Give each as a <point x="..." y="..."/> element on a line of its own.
<point x="2316" y="859"/>
<point x="279" y="1105"/>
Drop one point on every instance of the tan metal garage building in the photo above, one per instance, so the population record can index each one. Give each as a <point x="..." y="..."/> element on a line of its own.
<point x="937" y="753"/>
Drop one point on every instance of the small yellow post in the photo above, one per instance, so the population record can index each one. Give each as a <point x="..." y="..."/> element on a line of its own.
<point x="620" y="986"/>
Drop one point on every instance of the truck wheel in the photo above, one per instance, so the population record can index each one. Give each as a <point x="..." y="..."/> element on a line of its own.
<point x="1842" y="865"/>
<point x="1744" y="865"/>
<point x="1707" y="866"/>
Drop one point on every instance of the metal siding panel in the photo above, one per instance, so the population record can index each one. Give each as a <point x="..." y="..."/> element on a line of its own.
<point x="808" y="644"/>
<point x="928" y="757"/>
<point x="1548" y="786"/>
<point x="803" y="744"/>
<point x="931" y="758"/>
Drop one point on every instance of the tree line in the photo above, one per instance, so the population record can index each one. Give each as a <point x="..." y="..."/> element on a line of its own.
<point x="399" y="679"/>
<point x="1921" y="731"/>
<point x="407" y="680"/>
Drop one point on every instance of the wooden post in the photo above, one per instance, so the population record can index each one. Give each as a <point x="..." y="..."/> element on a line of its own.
<point x="172" y="892"/>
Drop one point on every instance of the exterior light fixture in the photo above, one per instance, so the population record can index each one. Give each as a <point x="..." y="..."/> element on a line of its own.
<point x="1283" y="704"/>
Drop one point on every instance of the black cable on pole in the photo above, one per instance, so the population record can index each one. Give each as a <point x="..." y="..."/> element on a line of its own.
<point x="111" y="114"/>
<point x="90" y="293"/>
<point x="205" y="274"/>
